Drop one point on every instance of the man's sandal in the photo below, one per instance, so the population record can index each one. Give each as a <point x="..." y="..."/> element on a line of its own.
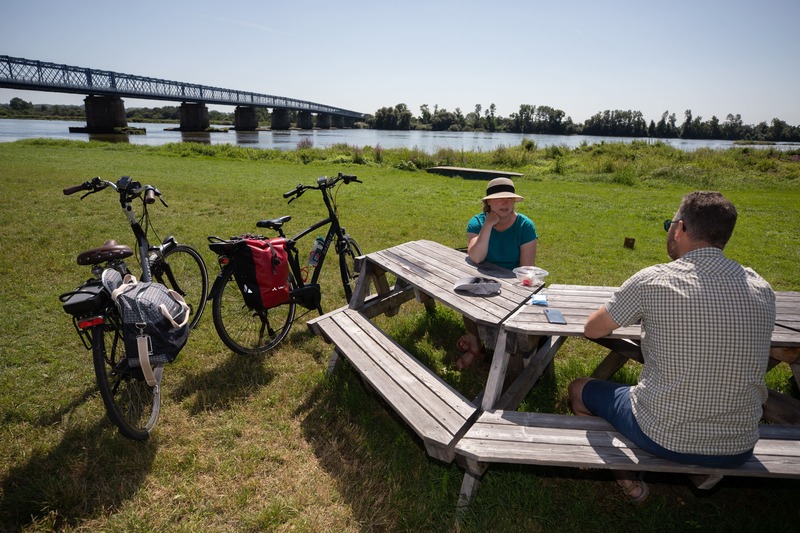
<point x="469" y="359"/>
<point x="462" y="345"/>
<point x="636" y="491"/>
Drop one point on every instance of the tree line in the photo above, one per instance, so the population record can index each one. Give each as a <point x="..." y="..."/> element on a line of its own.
<point x="529" y="119"/>
<point x="551" y="121"/>
<point x="19" y="108"/>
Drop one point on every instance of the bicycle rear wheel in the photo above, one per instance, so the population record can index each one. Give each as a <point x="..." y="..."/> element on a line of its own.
<point x="131" y="404"/>
<point x="249" y="331"/>
<point x="347" y="265"/>
<point x="183" y="270"/>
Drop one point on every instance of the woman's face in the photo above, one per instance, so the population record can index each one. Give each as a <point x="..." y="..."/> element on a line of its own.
<point x="502" y="206"/>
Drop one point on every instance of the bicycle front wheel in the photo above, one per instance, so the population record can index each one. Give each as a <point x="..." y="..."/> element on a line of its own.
<point x="347" y="265"/>
<point x="183" y="270"/>
<point x="131" y="404"/>
<point x="249" y="331"/>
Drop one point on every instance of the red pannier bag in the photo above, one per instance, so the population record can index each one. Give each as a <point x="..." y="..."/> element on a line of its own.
<point x="262" y="272"/>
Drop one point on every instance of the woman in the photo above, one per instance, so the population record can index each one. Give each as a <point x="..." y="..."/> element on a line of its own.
<point x="501" y="236"/>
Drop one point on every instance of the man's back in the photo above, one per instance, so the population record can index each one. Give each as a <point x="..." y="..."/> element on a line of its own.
<point x="706" y="324"/>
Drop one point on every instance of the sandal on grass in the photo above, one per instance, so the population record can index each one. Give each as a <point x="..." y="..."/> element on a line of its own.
<point x="636" y="491"/>
<point x="469" y="359"/>
<point x="462" y="345"/>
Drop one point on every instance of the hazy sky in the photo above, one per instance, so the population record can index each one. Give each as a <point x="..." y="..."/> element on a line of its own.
<point x="714" y="57"/>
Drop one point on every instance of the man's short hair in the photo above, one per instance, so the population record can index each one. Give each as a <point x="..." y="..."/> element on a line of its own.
<point x="708" y="216"/>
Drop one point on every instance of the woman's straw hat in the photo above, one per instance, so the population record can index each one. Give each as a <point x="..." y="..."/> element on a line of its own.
<point x="501" y="188"/>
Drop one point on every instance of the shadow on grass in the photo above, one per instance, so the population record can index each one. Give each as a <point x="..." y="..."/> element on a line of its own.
<point x="378" y="464"/>
<point x="90" y="471"/>
<point x="225" y="385"/>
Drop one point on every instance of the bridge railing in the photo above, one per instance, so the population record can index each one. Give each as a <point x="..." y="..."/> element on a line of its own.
<point x="36" y="75"/>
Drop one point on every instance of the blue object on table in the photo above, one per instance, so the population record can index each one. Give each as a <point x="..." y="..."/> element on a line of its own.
<point x="538" y="299"/>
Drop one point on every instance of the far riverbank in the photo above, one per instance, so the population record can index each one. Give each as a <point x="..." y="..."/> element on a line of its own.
<point x="428" y="141"/>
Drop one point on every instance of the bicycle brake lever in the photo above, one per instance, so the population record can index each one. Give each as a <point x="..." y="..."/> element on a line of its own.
<point x="162" y="201"/>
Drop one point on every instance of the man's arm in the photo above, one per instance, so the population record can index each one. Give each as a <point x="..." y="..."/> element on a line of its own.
<point x="599" y="324"/>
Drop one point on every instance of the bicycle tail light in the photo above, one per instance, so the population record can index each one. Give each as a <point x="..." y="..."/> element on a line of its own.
<point x="90" y="322"/>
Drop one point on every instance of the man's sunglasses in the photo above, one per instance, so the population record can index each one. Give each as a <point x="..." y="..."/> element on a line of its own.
<point x="668" y="223"/>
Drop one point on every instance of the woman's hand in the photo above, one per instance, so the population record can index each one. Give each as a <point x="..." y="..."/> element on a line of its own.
<point x="491" y="219"/>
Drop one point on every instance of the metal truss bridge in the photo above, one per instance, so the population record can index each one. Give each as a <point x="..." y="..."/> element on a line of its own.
<point x="31" y="75"/>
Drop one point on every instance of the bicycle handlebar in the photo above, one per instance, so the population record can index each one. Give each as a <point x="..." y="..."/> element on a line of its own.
<point x="323" y="182"/>
<point x="75" y="188"/>
<point x="125" y="186"/>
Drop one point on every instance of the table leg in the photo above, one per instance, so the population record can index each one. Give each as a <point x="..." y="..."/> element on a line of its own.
<point x="427" y="301"/>
<point x="609" y="366"/>
<point x="365" y="274"/>
<point x="539" y="362"/>
<point x="788" y="355"/>
<point x="497" y="372"/>
<point x="621" y="351"/>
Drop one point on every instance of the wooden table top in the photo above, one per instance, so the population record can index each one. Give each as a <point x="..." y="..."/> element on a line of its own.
<point x="433" y="269"/>
<point x="577" y="302"/>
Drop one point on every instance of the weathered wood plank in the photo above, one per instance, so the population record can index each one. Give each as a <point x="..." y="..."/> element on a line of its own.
<point x="433" y="269"/>
<point x="571" y="441"/>
<point x="431" y="408"/>
<point x="471" y="173"/>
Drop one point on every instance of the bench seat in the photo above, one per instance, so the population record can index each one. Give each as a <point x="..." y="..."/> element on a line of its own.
<point x="435" y="411"/>
<point x="591" y="442"/>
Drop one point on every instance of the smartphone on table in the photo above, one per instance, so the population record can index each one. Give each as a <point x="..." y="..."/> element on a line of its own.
<point x="554" y="316"/>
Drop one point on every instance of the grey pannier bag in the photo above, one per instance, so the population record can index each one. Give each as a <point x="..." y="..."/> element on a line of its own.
<point x="155" y="324"/>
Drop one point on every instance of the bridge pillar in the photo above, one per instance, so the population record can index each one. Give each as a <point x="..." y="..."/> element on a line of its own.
<point x="349" y="122"/>
<point x="281" y="119"/>
<point x="305" y="120"/>
<point x="337" y="121"/>
<point x="323" y="121"/>
<point x="194" y="117"/>
<point x="246" y="118"/>
<point x="104" y="113"/>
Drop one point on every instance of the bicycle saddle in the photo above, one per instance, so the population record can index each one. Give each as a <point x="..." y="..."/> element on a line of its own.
<point x="109" y="250"/>
<point x="274" y="223"/>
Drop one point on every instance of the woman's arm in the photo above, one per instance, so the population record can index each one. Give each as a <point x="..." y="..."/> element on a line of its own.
<point x="478" y="243"/>
<point x="527" y="253"/>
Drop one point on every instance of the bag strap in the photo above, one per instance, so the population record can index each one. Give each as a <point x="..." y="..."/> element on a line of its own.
<point x="127" y="282"/>
<point x="184" y="309"/>
<point x="275" y="259"/>
<point x="144" y="360"/>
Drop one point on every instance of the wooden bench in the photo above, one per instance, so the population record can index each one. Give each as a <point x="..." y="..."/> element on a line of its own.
<point x="591" y="442"/>
<point x="432" y="408"/>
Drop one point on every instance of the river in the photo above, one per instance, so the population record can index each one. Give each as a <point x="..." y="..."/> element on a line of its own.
<point x="427" y="141"/>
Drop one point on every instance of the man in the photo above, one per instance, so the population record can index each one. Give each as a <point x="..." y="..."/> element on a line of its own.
<point x="706" y="328"/>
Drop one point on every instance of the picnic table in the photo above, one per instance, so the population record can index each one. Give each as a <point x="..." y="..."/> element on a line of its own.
<point x="577" y="302"/>
<point x="501" y="434"/>
<point x="488" y="428"/>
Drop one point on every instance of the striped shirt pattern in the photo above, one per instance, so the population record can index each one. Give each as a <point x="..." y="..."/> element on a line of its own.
<point x="706" y="329"/>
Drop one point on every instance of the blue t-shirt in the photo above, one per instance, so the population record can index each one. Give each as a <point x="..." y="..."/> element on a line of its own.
<point x="504" y="245"/>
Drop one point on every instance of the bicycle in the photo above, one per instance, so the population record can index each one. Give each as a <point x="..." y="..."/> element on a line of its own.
<point x="249" y="329"/>
<point x="131" y="404"/>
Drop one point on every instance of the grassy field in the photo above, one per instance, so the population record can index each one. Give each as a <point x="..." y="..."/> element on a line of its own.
<point x="272" y="443"/>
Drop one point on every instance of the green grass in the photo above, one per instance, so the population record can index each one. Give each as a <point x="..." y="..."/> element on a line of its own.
<point x="271" y="443"/>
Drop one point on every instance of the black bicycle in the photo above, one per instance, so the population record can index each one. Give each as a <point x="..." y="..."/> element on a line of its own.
<point x="132" y="405"/>
<point x="250" y="329"/>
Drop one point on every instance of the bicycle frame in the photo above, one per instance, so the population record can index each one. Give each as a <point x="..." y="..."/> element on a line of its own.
<point x="307" y="292"/>
<point x="150" y="256"/>
<point x="335" y="230"/>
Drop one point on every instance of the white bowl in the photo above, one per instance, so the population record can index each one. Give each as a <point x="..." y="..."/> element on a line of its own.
<point x="529" y="275"/>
